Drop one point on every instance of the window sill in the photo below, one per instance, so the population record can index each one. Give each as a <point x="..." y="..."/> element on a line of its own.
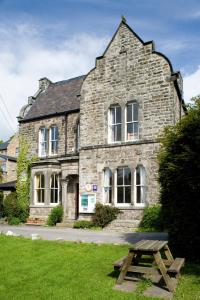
<point x="130" y="207"/>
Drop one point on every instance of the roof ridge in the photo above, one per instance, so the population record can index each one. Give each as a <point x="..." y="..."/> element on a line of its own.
<point x="70" y="79"/>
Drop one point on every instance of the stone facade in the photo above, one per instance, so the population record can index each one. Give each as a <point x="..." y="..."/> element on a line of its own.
<point x="129" y="71"/>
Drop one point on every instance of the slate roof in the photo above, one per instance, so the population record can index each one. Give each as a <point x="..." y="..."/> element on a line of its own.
<point x="7" y="157"/>
<point x="4" y="146"/>
<point x="59" y="97"/>
<point x="8" y="186"/>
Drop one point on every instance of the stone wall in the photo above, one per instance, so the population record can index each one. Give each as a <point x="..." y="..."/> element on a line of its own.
<point x="13" y="146"/>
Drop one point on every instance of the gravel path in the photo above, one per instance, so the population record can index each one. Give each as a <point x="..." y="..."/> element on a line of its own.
<point x="87" y="236"/>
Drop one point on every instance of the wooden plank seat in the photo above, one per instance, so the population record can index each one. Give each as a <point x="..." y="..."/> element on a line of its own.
<point x="176" y="266"/>
<point x="118" y="263"/>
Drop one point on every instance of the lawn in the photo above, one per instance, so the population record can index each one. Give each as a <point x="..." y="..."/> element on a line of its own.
<point x="38" y="270"/>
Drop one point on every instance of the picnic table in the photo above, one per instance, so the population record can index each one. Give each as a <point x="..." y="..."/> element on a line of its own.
<point x="167" y="266"/>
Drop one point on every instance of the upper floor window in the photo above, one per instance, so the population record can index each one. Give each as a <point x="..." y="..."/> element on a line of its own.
<point x="140" y="186"/>
<point x="54" y="186"/>
<point x="16" y="151"/>
<point x="108" y="183"/>
<point x="53" y="140"/>
<point x="78" y="137"/>
<point x="43" y="141"/>
<point x="115" y="122"/>
<point x="39" y="188"/>
<point x="132" y="129"/>
<point x="124" y="185"/>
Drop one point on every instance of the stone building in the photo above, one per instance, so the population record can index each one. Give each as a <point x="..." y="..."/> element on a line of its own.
<point x="96" y="136"/>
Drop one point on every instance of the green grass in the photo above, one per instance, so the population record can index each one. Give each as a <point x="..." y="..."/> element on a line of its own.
<point x="38" y="270"/>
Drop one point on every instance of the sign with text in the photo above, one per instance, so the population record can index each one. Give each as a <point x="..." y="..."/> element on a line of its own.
<point x="87" y="203"/>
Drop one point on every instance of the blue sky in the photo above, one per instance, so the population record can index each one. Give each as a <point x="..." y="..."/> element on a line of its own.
<point x="61" y="38"/>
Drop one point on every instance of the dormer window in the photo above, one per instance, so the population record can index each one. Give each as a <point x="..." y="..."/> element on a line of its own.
<point x="43" y="142"/>
<point x="132" y="128"/>
<point x="53" y="140"/>
<point x="115" y="123"/>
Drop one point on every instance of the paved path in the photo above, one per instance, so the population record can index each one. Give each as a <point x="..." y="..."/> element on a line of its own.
<point x="70" y="234"/>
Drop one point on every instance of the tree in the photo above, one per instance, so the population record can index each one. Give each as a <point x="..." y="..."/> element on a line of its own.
<point x="1" y="141"/>
<point x="179" y="177"/>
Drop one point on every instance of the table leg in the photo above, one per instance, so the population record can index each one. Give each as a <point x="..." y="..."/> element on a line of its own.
<point x="163" y="271"/>
<point x="125" y="267"/>
<point x="168" y="254"/>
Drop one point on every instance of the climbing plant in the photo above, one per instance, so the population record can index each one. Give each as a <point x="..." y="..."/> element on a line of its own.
<point x="23" y="179"/>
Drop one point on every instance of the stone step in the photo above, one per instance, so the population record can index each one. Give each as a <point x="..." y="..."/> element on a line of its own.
<point x="35" y="221"/>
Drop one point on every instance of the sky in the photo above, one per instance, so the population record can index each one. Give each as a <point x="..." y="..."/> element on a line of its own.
<point x="59" y="39"/>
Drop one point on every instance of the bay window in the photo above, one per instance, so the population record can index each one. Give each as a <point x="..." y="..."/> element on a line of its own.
<point x="123" y="185"/>
<point x="39" y="188"/>
<point x="108" y="183"/>
<point x="54" y="187"/>
<point x="140" y="186"/>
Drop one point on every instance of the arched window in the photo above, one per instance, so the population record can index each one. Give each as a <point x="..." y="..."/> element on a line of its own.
<point x="108" y="184"/>
<point x="43" y="141"/>
<point x="132" y="128"/>
<point x="115" y="124"/>
<point x="39" y="188"/>
<point x="123" y="185"/>
<point x="53" y="140"/>
<point x="54" y="187"/>
<point x="140" y="186"/>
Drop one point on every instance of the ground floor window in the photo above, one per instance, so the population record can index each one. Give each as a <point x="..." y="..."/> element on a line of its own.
<point x="108" y="185"/>
<point x="39" y="188"/>
<point x="54" y="187"/>
<point x="125" y="186"/>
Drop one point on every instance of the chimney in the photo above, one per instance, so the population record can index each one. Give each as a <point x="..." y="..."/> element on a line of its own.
<point x="44" y="83"/>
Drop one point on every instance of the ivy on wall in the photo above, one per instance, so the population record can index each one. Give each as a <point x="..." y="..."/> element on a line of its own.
<point x="23" y="178"/>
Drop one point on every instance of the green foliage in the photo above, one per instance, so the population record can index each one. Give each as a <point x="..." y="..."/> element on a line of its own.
<point x="104" y="214"/>
<point x="179" y="176"/>
<point x="55" y="215"/>
<point x="14" y="221"/>
<point x="1" y="205"/>
<point x="1" y="141"/>
<point x="83" y="224"/>
<point x="23" y="179"/>
<point x="11" y="207"/>
<point x="152" y="219"/>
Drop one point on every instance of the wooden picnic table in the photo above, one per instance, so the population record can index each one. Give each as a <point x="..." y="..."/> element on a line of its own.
<point x="168" y="267"/>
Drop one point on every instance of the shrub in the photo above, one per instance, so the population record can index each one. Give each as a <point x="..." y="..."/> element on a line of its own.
<point x="179" y="176"/>
<point x="14" y="221"/>
<point x="83" y="224"/>
<point x="11" y="208"/>
<point x="55" y="215"/>
<point x="104" y="214"/>
<point x="152" y="218"/>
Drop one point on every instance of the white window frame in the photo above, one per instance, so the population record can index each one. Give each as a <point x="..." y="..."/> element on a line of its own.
<point x="142" y="186"/>
<point x="123" y="185"/>
<point x="43" y="143"/>
<point x="56" y="190"/>
<point x="132" y="104"/>
<point x="38" y="188"/>
<point x="52" y="141"/>
<point x="111" y="125"/>
<point x="107" y="188"/>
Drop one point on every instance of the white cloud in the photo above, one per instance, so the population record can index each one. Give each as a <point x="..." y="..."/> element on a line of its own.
<point x="26" y="55"/>
<point x="191" y="85"/>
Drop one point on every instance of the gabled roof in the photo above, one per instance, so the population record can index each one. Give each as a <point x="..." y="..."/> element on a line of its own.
<point x="4" y="146"/>
<point x="60" y="97"/>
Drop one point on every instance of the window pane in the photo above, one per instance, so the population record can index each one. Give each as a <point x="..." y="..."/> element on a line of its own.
<point x="138" y="176"/>
<point x="52" y="195"/>
<point x="120" y="195"/>
<point x="138" y="191"/>
<point x="120" y="176"/>
<point x="42" y="181"/>
<point x="112" y="115"/>
<point x="127" y="194"/>
<point x="135" y="112"/>
<point x="130" y="134"/>
<point x="135" y="130"/>
<point x="56" y="181"/>
<point x="110" y="195"/>
<point x="127" y="176"/>
<point x="118" y="114"/>
<point x="118" y="133"/>
<point x="129" y="113"/>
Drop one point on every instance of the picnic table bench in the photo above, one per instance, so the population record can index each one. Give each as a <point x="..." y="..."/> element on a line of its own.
<point x="168" y="267"/>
